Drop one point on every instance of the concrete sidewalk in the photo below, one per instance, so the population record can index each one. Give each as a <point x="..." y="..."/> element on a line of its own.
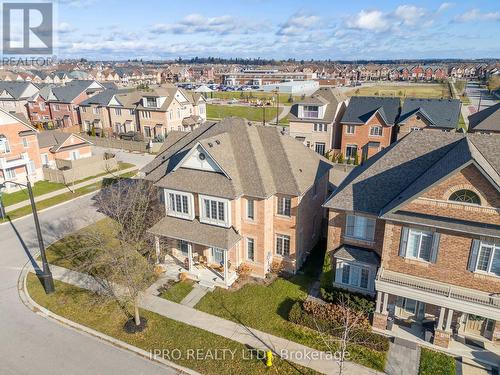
<point x="54" y="193"/>
<point x="292" y="351"/>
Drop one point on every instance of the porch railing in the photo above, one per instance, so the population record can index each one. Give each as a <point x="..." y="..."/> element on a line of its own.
<point x="443" y="289"/>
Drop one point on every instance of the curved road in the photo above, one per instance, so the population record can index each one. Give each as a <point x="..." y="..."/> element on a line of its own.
<point x="31" y="344"/>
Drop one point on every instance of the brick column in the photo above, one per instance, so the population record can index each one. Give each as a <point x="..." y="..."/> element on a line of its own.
<point x="379" y="320"/>
<point x="441" y="338"/>
<point x="496" y="333"/>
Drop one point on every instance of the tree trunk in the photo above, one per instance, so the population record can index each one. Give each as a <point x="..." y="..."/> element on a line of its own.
<point x="137" y="317"/>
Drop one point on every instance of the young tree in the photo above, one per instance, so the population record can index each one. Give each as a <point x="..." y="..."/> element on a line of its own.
<point x="119" y="256"/>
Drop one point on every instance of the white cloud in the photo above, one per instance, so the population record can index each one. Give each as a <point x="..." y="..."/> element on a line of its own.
<point x="476" y="15"/>
<point x="373" y="20"/>
<point x="410" y="15"/>
<point x="445" y="6"/>
<point x="298" y="24"/>
<point x="64" y="28"/>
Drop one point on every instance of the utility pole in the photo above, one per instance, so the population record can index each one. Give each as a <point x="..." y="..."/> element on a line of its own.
<point x="264" y="115"/>
<point x="480" y="97"/>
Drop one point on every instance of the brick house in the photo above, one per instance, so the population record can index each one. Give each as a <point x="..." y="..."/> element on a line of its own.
<point x="367" y="125"/>
<point x="94" y="112"/>
<point x="314" y="120"/>
<point x="54" y="144"/>
<point x="236" y="194"/>
<point x="486" y="120"/>
<point x="428" y="208"/>
<point x="14" y="96"/>
<point x="435" y="114"/>
<point x="64" y="100"/>
<point x="19" y="152"/>
<point x="38" y="109"/>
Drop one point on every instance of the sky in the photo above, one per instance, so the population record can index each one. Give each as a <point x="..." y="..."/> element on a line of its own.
<point x="337" y="30"/>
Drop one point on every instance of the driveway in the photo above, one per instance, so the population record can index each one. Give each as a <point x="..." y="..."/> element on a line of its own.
<point x="31" y="344"/>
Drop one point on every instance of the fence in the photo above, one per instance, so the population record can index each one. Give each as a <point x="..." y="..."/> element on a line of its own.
<point x="137" y="146"/>
<point x="70" y="171"/>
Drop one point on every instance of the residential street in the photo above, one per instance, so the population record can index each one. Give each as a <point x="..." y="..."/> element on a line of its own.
<point x="474" y="92"/>
<point x="31" y="344"/>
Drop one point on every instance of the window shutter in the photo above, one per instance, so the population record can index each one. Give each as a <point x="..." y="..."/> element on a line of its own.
<point x="435" y="246"/>
<point x="403" y="242"/>
<point x="473" y="255"/>
<point x="349" y="225"/>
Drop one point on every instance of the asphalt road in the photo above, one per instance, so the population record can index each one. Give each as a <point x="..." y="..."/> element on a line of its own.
<point x="474" y="92"/>
<point x="31" y="344"/>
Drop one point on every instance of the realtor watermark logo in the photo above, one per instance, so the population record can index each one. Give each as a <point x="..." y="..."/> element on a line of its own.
<point x="27" y="28"/>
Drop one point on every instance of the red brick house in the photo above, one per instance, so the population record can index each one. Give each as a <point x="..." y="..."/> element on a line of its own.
<point x="55" y="144"/>
<point x="429" y="208"/>
<point x="367" y="125"/>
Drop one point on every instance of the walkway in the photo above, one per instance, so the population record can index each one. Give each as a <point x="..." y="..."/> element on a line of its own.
<point x="296" y="353"/>
<point x="463" y="109"/>
<point x="403" y="358"/>
<point x="195" y="295"/>
<point x="54" y="193"/>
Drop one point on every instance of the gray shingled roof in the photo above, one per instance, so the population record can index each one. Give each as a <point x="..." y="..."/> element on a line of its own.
<point x="259" y="160"/>
<point x="412" y="165"/>
<point x="196" y="232"/>
<point x="362" y="108"/>
<point x="441" y="113"/>
<point x="358" y="254"/>
<point x="14" y="88"/>
<point x="53" y="138"/>
<point x="325" y="95"/>
<point x="487" y="119"/>
<point x="101" y="98"/>
<point x="68" y="92"/>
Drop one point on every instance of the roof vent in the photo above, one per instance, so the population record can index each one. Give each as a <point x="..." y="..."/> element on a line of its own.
<point x="210" y="144"/>
<point x="217" y="141"/>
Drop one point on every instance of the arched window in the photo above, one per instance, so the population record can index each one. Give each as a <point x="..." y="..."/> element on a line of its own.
<point x="465" y="196"/>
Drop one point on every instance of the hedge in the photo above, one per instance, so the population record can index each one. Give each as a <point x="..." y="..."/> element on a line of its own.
<point x="436" y="363"/>
<point x="363" y="336"/>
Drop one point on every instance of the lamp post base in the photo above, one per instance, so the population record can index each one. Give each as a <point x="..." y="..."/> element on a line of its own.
<point x="47" y="282"/>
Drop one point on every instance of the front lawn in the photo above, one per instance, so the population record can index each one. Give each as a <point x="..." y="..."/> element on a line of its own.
<point x="215" y="111"/>
<point x="416" y="91"/>
<point x="178" y="291"/>
<point x="266" y="308"/>
<point x="164" y="334"/>
<point x="436" y="363"/>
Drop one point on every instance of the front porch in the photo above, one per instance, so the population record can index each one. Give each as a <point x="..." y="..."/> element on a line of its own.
<point x="461" y="321"/>
<point x="202" y="252"/>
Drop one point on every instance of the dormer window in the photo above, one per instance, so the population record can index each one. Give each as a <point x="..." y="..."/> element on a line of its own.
<point x="311" y="111"/>
<point x="465" y="196"/>
<point x="150" y="102"/>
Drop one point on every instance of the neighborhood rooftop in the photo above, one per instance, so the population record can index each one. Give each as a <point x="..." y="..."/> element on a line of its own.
<point x="362" y="108"/>
<point x="443" y="113"/>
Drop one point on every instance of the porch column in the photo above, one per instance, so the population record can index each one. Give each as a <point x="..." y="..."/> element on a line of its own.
<point x="384" y="305"/>
<point x="190" y="257"/>
<point x="441" y="318"/>
<point x="226" y="271"/>
<point x="157" y="249"/>
<point x="448" y="320"/>
<point x="379" y="302"/>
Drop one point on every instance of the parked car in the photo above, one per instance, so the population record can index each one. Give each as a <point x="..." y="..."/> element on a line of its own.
<point x="131" y="136"/>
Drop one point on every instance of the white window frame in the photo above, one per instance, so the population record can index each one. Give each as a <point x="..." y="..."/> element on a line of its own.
<point x="45" y="159"/>
<point x="118" y="111"/>
<point x="284" y="200"/>
<point x="146" y="114"/>
<point x="351" y="282"/>
<point x="171" y="211"/>
<point x="25" y="142"/>
<point x="251" y="241"/>
<point x="316" y="144"/>
<point x="493" y="247"/>
<point x="348" y="128"/>
<point x="75" y="154"/>
<point x="421" y="234"/>
<point x="5" y="146"/>
<point x="250" y="203"/>
<point x="320" y="127"/>
<point x="96" y="110"/>
<point x="282" y="239"/>
<point x="360" y="220"/>
<point x="208" y="220"/>
<point x="376" y="127"/>
<point x="351" y="146"/>
<point x="10" y="173"/>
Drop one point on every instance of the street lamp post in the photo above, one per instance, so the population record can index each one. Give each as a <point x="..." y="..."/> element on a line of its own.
<point x="46" y="275"/>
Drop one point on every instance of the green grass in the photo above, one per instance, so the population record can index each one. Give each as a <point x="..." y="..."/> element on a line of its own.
<point x="178" y="291"/>
<point x="253" y="95"/>
<point x="250" y="113"/>
<point x="26" y="210"/>
<point x="417" y="91"/>
<point x="162" y="333"/>
<point x="436" y="363"/>
<point x="44" y="187"/>
<point x="266" y="308"/>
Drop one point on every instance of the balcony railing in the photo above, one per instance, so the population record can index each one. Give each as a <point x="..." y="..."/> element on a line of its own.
<point x="13" y="161"/>
<point x="442" y="289"/>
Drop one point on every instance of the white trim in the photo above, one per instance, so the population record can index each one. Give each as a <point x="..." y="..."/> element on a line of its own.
<point x="227" y="211"/>
<point x="190" y="215"/>
<point x="193" y="149"/>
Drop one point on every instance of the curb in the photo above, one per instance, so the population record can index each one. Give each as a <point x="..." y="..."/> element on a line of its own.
<point x="47" y="314"/>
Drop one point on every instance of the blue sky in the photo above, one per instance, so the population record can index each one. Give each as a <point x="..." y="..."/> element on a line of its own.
<point x="278" y="29"/>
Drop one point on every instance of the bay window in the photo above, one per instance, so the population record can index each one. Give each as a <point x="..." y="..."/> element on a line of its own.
<point x="360" y="227"/>
<point x="355" y="275"/>
<point x="179" y="204"/>
<point x="214" y="211"/>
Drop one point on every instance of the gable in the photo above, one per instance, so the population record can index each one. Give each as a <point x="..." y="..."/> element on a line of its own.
<point x="8" y="119"/>
<point x="71" y="141"/>
<point x="95" y="85"/>
<point x="198" y="158"/>
<point x="115" y="101"/>
<point x="435" y="201"/>
<point x="6" y="95"/>
<point x="376" y="119"/>
<point x="180" y="97"/>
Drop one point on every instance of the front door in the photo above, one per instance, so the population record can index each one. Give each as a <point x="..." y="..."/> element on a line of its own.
<point x="479" y="326"/>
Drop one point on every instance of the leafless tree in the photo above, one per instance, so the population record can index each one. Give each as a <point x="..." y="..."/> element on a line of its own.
<point x="118" y="253"/>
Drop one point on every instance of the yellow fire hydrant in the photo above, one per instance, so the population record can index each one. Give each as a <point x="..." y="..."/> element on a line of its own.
<point x="269" y="358"/>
